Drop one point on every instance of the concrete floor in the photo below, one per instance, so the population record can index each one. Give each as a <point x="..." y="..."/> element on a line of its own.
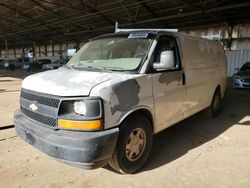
<point x="197" y="152"/>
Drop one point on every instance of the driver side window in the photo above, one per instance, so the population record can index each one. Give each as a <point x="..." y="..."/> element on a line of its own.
<point x="166" y="43"/>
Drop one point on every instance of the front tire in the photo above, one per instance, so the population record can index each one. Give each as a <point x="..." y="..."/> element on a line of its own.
<point x="133" y="145"/>
<point x="215" y="106"/>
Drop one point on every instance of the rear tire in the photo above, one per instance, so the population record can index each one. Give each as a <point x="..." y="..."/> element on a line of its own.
<point x="133" y="145"/>
<point x="214" y="109"/>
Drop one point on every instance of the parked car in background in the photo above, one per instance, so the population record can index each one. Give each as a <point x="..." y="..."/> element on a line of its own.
<point x="2" y="62"/>
<point x="13" y="64"/>
<point x="241" y="79"/>
<point x="55" y="65"/>
<point x="36" y="65"/>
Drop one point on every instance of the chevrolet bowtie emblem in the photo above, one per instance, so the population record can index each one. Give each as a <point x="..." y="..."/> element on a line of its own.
<point x="33" y="107"/>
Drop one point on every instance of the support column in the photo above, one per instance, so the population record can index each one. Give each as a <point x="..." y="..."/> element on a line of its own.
<point x="39" y="50"/>
<point x="23" y="55"/>
<point x="46" y="53"/>
<point x="60" y="50"/>
<point x="52" y="47"/>
<point x="77" y="45"/>
<point x="230" y="29"/>
<point x="6" y="50"/>
<point x="34" y="50"/>
<point x="15" y="52"/>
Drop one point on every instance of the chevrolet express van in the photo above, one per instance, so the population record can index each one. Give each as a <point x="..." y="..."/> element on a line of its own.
<point x="105" y="105"/>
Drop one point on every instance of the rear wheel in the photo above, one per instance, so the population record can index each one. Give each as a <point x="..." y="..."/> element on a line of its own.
<point x="133" y="145"/>
<point x="215" y="106"/>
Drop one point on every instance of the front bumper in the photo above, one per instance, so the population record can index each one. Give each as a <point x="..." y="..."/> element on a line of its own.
<point x="86" y="150"/>
<point x="238" y="83"/>
<point x="45" y="68"/>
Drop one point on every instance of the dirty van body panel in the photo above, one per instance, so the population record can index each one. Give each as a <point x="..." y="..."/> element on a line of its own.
<point x="66" y="82"/>
<point x="169" y="88"/>
<point x="204" y="66"/>
<point x="123" y="96"/>
<point x="169" y="97"/>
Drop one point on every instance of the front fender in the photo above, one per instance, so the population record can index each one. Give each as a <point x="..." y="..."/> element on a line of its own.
<point x="123" y="96"/>
<point x="136" y="109"/>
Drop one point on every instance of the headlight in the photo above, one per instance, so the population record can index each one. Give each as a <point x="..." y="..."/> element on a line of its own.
<point x="81" y="114"/>
<point x="236" y="76"/>
<point x="80" y="108"/>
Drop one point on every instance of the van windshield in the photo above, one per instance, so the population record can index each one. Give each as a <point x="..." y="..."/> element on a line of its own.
<point x="116" y="53"/>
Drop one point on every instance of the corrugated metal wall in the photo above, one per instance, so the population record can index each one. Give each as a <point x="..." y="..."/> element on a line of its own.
<point x="235" y="59"/>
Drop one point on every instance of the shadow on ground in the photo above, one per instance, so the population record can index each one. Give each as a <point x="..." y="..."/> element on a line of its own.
<point x="176" y="141"/>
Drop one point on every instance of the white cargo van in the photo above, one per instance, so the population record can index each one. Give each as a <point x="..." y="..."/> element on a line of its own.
<point x="107" y="102"/>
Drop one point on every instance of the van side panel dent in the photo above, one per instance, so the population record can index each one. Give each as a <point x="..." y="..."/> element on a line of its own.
<point x="122" y="95"/>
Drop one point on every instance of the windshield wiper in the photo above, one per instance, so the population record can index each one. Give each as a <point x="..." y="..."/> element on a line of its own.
<point x="89" y="68"/>
<point x="94" y="68"/>
<point x="119" y="69"/>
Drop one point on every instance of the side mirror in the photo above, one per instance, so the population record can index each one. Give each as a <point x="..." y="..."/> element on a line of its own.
<point x="166" y="61"/>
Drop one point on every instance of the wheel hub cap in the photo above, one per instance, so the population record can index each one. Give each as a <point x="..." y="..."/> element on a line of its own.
<point x="135" y="144"/>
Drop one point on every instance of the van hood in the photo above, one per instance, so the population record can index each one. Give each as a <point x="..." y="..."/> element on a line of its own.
<point x="243" y="73"/>
<point x="68" y="82"/>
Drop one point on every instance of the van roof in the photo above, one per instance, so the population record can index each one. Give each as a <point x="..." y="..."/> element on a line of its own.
<point x="152" y="32"/>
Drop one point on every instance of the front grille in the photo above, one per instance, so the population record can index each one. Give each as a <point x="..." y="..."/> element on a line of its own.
<point x="47" y="107"/>
<point x="48" y="101"/>
<point x="246" y="80"/>
<point x="49" y="121"/>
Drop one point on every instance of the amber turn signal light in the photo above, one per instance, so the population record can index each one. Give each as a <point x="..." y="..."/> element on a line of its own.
<point x="84" y="125"/>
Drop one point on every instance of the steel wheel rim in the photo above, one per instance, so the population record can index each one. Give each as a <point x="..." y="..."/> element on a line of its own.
<point x="135" y="144"/>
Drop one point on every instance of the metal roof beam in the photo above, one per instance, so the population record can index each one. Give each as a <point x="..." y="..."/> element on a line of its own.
<point x="54" y="13"/>
<point x="194" y="13"/>
<point x="94" y="10"/>
<point x="145" y="6"/>
<point x="199" y="8"/>
<point x="26" y="16"/>
<point x="53" y="23"/>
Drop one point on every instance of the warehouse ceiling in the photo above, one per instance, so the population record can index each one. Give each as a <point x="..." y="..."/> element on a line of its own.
<point x="23" y="22"/>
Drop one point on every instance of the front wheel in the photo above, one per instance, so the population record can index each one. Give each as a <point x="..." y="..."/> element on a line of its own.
<point x="133" y="145"/>
<point x="215" y="106"/>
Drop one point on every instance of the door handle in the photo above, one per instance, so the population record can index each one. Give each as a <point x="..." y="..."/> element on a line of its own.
<point x="183" y="79"/>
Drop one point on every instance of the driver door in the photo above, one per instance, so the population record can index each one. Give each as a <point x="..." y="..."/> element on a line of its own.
<point x="169" y="89"/>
